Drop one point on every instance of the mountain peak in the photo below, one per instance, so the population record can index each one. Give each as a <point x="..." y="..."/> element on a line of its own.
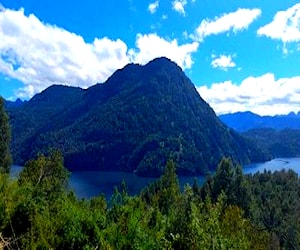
<point x="162" y="63"/>
<point x="162" y="60"/>
<point x="135" y="121"/>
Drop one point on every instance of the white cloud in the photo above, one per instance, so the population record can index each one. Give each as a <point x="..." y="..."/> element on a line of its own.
<point x="223" y="62"/>
<point x="235" y="21"/>
<point x="153" y="7"/>
<point x="263" y="95"/>
<point x="164" y="17"/>
<point x="285" y="26"/>
<point x="178" y="5"/>
<point x="151" y="46"/>
<point x="40" y="55"/>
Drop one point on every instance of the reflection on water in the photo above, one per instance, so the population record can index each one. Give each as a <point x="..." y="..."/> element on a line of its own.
<point x="274" y="165"/>
<point x="91" y="183"/>
<point x="87" y="184"/>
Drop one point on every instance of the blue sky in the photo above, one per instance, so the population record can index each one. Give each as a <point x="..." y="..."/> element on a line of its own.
<point x="241" y="55"/>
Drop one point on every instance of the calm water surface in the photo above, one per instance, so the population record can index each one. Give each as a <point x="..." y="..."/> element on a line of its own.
<point x="274" y="165"/>
<point x="87" y="184"/>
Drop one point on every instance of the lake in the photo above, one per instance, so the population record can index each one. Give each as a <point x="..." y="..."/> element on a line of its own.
<point x="87" y="184"/>
<point x="274" y="165"/>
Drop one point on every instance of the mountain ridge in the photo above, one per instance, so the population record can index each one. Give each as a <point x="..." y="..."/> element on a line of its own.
<point x="243" y="121"/>
<point x="135" y="121"/>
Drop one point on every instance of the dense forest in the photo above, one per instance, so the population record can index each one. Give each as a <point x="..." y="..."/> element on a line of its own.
<point x="279" y="135"/>
<point x="277" y="143"/>
<point x="230" y="211"/>
<point x="135" y="121"/>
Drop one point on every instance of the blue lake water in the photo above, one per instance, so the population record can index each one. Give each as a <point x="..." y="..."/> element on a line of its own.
<point x="274" y="165"/>
<point x="87" y="184"/>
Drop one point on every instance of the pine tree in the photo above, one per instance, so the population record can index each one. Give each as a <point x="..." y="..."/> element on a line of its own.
<point x="5" y="157"/>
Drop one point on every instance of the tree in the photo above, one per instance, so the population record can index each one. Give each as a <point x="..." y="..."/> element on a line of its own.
<point x="165" y="190"/>
<point x="5" y="136"/>
<point x="223" y="180"/>
<point x="229" y="178"/>
<point x="46" y="174"/>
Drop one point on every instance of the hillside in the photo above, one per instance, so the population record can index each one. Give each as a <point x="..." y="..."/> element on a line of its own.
<point x="278" y="143"/>
<point x="16" y="103"/>
<point x="243" y="121"/>
<point x="135" y="121"/>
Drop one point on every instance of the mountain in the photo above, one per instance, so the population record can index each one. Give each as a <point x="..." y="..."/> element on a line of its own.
<point x="135" y="121"/>
<point x="283" y="143"/>
<point x="243" y="121"/>
<point x="15" y="103"/>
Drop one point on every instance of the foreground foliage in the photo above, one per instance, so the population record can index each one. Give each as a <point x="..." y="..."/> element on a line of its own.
<point x="5" y="135"/>
<point x="230" y="211"/>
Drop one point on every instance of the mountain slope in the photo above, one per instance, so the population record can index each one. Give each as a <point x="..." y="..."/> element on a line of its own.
<point x="18" y="102"/>
<point x="243" y="121"/>
<point x="135" y="121"/>
<point x="283" y="143"/>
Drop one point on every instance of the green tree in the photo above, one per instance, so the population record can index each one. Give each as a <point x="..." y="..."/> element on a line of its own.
<point x="5" y="136"/>
<point x="275" y="206"/>
<point x="165" y="191"/>
<point x="224" y="180"/>
<point x="46" y="174"/>
<point x="229" y="179"/>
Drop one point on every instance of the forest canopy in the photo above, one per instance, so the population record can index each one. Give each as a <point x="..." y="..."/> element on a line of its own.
<point x="230" y="211"/>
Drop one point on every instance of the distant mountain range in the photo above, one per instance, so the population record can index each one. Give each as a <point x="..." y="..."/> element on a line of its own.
<point x="135" y="121"/>
<point x="16" y="103"/>
<point x="243" y="121"/>
<point x="278" y="135"/>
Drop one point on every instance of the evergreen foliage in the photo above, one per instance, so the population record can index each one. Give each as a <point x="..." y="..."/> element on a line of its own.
<point x="135" y="121"/>
<point x="38" y="211"/>
<point x="277" y="143"/>
<point x="5" y="136"/>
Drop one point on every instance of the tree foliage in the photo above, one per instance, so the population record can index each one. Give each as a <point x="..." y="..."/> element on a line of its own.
<point x="38" y="211"/>
<point x="277" y="143"/>
<point x="137" y="120"/>
<point x="5" y="136"/>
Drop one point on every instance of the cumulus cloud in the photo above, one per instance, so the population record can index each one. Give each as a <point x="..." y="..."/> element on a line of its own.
<point x="178" y="5"/>
<point x="264" y="95"/>
<point x="223" y="62"/>
<point x="151" y="46"/>
<point x="285" y="26"/>
<point x="39" y="54"/>
<point x="233" y="21"/>
<point x="153" y="7"/>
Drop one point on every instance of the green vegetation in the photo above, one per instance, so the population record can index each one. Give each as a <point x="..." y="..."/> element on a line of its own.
<point x="230" y="211"/>
<point x="277" y="143"/>
<point x="137" y="120"/>
<point x="5" y="157"/>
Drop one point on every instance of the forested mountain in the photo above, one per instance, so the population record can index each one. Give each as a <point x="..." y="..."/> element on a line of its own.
<point x="15" y="103"/>
<point x="277" y="143"/>
<point x="243" y="121"/>
<point x="135" y="121"/>
<point x="278" y="135"/>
